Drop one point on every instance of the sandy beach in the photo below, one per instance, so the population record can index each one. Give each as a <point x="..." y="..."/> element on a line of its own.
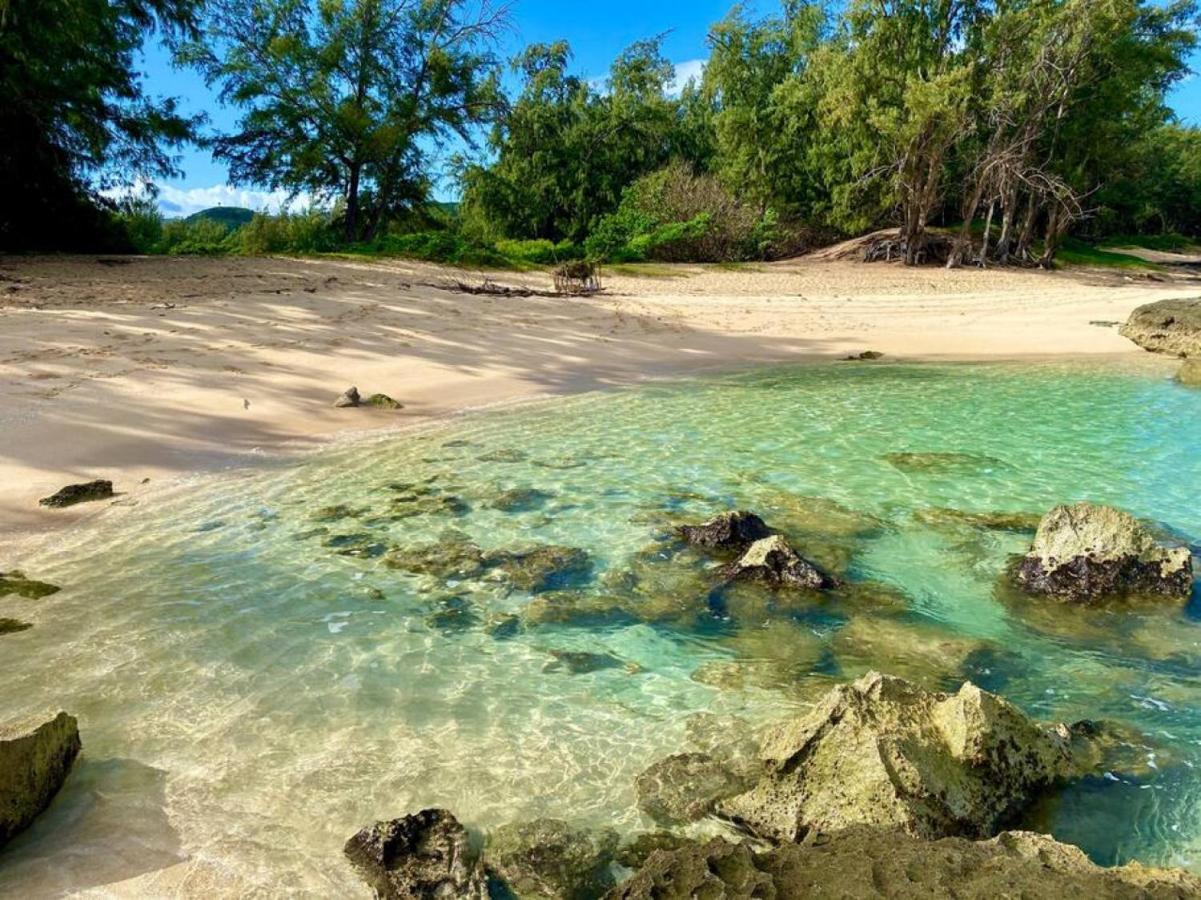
<point x="142" y="370"/>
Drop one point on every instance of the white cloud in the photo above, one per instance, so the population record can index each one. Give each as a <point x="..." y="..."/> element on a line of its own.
<point x="689" y="70"/>
<point x="176" y="201"/>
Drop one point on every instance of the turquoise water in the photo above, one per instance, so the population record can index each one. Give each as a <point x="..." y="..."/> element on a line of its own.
<point x="249" y="695"/>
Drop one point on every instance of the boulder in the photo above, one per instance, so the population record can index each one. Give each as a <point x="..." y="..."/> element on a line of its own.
<point x="17" y="583"/>
<point x="687" y="786"/>
<point x="348" y="398"/>
<point x="772" y="561"/>
<point x="382" y="401"/>
<point x="12" y="626"/>
<point x="728" y="531"/>
<point x="542" y="568"/>
<point x="517" y="500"/>
<point x="1169" y="326"/>
<point x="550" y="859"/>
<point x="1190" y="373"/>
<point x="79" y="493"/>
<point x="454" y="556"/>
<point x="944" y="463"/>
<point x="918" y="650"/>
<point x="882" y="751"/>
<point x="582" y="662"/>
<point x="35" y="759"/>
<point x="421" y="856"/>
<point x="864" y="862"/>
<point x="578" y="608"/>
<point x="945" y="517"/>
<point x="1086" y="553"/>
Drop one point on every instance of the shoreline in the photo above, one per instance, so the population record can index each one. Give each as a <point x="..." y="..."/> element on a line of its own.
<point x="97" y="384"/>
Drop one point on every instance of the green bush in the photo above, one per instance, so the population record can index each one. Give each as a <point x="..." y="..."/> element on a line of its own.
<point x="307" y="232"/>
<point x="141" y="223"/>
<point x="446" y="246"/>
<point x="538" y="252"/>
<point x="200" y="237"/>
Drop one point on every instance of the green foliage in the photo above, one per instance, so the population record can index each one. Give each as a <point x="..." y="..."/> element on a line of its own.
<point x="141" y="222"/>
<point x="538" y="252"/>
<point x="201" y="237"/>
<point x="306" y="232"/>
<point x="230" y="216"/>
<point x="1075" y="252"/>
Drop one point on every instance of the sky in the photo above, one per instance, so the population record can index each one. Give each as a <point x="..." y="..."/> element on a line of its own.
<point x="597" y="32"/>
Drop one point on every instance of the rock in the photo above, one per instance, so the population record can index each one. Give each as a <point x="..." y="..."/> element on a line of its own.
<point x="635" y="853"/>
<point x="864" y="862"/>
<point x="359" y="545"/>
<point x="882" y="751"/>
<point x="1086" y="553"/>
<point x="503" y="626"/>
<point x="520" y="500"/>
<point x="504" y="455"/>
<point x="35" y="759"/>
<point x="944" y="463"/>
<point x="1169" y="326"/>
<point x="382" y="401"/>
<point x="425" y="855"/>
<point x="581" y="662"/>
<point x="12" y="626"/>
<point x="686" y="787"/>
<point x="543" y="568"/>
<point x="17" y="583"/>
<point x="79" y="493"/>
<point x="429" y="503"/>
<point x="1190" y="373"/>
<point x="916" y="650"/>
<point x="577" y="608"/>
<point x="865" y="356"/>
<point x="337" y="513"/>
<point x="349" y="398"/>
<point x="453" y="614"/>
<point x="728" y="531"/>
<point x="942" y="517"/>
<point x="772" y="561"/>
<point x="801" y="517"/>
<point x="552" y="860"/>
<point x="665" y="583"/>
<point x="454" y="556"/>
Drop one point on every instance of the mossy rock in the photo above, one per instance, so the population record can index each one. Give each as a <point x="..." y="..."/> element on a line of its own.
<point x="578" y="608"/>
<point x="35" y="759"/>
<point x="944" y="517"/>
<point x="382" y="401"/>
<point x="453" y="614"/>
<point x="944" y="463"/>
<point x="551" y="860"/>
<point x="584" y="662"/>
<point x="17" y="583"/>
<point x="429" y="503"/>
<point x="542" y="568"/>
<point x="1190" y="373"/>
<point x="922" y="652"/>
<point x="687" y="787"/>
<point x="454" y="556"/>
<point x="74" y="494"/>
<point x="516" y="500"/>
<point x="12" y="626"/>
<point x="337" y="513"/>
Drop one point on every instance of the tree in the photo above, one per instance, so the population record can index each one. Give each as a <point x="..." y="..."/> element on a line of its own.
<point x="75" y="116"/>
<point x="347" y="100"/>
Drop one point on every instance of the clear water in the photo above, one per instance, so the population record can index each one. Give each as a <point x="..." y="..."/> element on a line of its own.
<point x="249" y="697"/>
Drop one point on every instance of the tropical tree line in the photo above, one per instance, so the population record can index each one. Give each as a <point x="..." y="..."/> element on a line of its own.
<point x="983" y="131"/>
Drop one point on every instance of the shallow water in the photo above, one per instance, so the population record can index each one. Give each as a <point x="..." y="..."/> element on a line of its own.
<point x="249" y="696"/>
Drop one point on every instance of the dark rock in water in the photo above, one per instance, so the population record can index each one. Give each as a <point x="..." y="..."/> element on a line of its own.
<point x="664" y="584"/>
<point x="578" y="608"/>
<point x="944" y="463"/>
<point x="550" y="859"/>
<point x="773" y="561"/>
<point x="1086" y="553"/>
<point x="942" y="517"/>
<point x="360" y="545"/>
<point x="686" y="787"/>
<point x="12" y="626"/>
<point x="865" y="862"/>
<point x="349" y="398"/>
<point x="542" y="568"/>
<point x="1169" y="326"/>
<point x="454" y="556"/>
<point x="520" y="500"/>
<point x="382" y="401"/>
<point x="453" y="614"/>
<point x="17" y="583"/>
<point x="429" y="503"/>
<point x="504" y="455"/>
<point x="503" y="626"/>
<point x="79" y="493"/>
<point x="728" y="531"/>
<point x="920" y="651"/>
<point x="865" y="356"/>
<point x="580" y="662"/>
<point x="1190" y="373"/>
<point x="418" y="857"/>
<point x="882" y="751"/>
<point x="336" y="513"/>
<point x="634" y="854"/>
<point x="35" y="759"/>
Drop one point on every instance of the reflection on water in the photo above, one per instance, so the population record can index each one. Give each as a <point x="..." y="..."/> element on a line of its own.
<point x="287" y="654"/>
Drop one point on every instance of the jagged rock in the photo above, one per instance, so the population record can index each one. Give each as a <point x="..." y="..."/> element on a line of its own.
<point x="454" y="556"/>
<point x="687" y="786"/>
<point x="773" y="561"/>
<point x="520" y="500"/>
<point x="550" y="859"/>
<point x="728" y="531"/>
<point x="503" y="626"/>
<point x="944" y="463"/>
<point x="543" y="568"/>
<point x="79" y="493"/>
<point x="349" y="398"/>
<point x="864" y="862"/>
<point x="453" y="614"/>
<point x="1087" y="552"/>
<point x="941" y="517"/>
<point x="1169" y="326"/>
<point x="17" y="583"/>
<point x="634" y="854"/>
<point x="1190" y="372"/>
<point x="337" y="513"/>
<point x="35" y="759"/>
<point x="865" y="356"/>
<point x="12" y="626"/>
<point x="418" y="857"/>
<point x="360" y="545"/>
<point x="578" y="608"/>
<point x="382" y="401"/>
<point x="882" y="751"/>
<point x="917" y="650"/>
<point x="581" y="662"/>
<point x="428" y="502"/>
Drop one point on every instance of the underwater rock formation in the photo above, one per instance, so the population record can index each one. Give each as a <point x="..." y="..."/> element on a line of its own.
<point x="772" y="561"/>
<point x="686" y="787"/>
<point x="517" y="500"/>
<point x="882" y="751"/>
<point x="944" y="463"/>
<point x="382" y="401"/>
<point x="1168" y="326"/>
<point x="728" y="531"/>
<point x="1190" y="373"/>
<point x="35" y="759"/>
<point x="541" y="568"/>
<point x="1087" y="552"/>
<point x="550" y="859"/>
<point x="13" y="626"/>
<point x="417" y="857"/>
<point x="943" y="517"/>
<point x="17" y="583"/>
<point x="72" y="494"/>
<point x="453" y="556"/>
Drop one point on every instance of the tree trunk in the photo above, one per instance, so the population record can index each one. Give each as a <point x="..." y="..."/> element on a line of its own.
<point x="352" y="204"/>
<point x="992" y="205"/>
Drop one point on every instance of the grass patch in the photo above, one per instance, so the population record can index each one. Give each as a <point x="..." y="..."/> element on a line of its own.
<point x="643" y="270"/>
<point x="1077" y="253"/>
<point x="1165" y="243"/>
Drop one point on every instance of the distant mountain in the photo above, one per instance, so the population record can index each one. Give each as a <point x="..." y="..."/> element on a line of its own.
<point x="230" y="216"/>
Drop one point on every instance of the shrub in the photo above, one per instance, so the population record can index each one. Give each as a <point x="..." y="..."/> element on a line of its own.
<point x="141" y="223"/>
<point x="538" y="252"/>
<point x="306" y="232"/>
<point x="199" y="237"/>
<point x="440" y="246"/>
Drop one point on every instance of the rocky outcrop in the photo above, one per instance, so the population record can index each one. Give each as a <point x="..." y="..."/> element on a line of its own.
<point x="542" y="568"/>
<point x="421" y="856"/>
<point x="517" y="500"/>
<point x="884" y="752"/>
<point x="454" y="556"/>
<point x="79" y="493"/>
<point x="687" y="787"/>
<point x="550" y="859"/>
<point x="1169" y="326"/>
<point x="729" y="531"/>
<point x="772" y="561"/>
<point x="944" y="517"/>
<point x="13" y="626"/>
<point x="864" y="862"/>
<point x="35" y="759"/>
<point x="1087" y="553"/>
<point x="1190" y="373"/>
<point x="382" y="401"/>
<point x="17" y="583"/>
<point x="348" y="398"/>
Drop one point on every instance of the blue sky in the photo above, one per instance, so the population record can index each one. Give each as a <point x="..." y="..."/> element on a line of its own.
<point x="597" y="32"/>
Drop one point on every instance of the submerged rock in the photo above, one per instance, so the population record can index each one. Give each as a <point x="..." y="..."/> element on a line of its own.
<point x="916" y="650"/>
<point x="686" y="787"/>
<point x="772" y="561"/>
<point x="581" y="662"/>
<point x="1169" y="326"/>
<point x="1190" y="373"/>
<point x="542" y="568"/>
<point x="336" y="513"/>
<point x="728" y="531"/>
<point x="517" y="500"/>
<point x="578" y="608"/>
<point x="1086" y="553"/>
<point x="503" y="626"/>
<point x="941" y="517"/>
<point x="864" y="862"/>
<point x="634" y="854"/>
<point x="865" y="356"/>
<point x="454" y="556"/>
<point x="17" y="583"/>
<point x="348" y="398"/>
<point x="429" y="503"/>
<point x="382" y="401"/>
<point x="13" y="626"/>
<point x="882" y="751"/>
<point x="35" y="759"/>
<point x="944" y="463"/>
<point x="79" y="493"/>
<point x="417" y="857"/>
<point x="453" y="614"/>
<point x="550" y="859"/>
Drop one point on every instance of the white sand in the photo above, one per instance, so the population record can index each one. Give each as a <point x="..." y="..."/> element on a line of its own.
<point x="156" y="368"/>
